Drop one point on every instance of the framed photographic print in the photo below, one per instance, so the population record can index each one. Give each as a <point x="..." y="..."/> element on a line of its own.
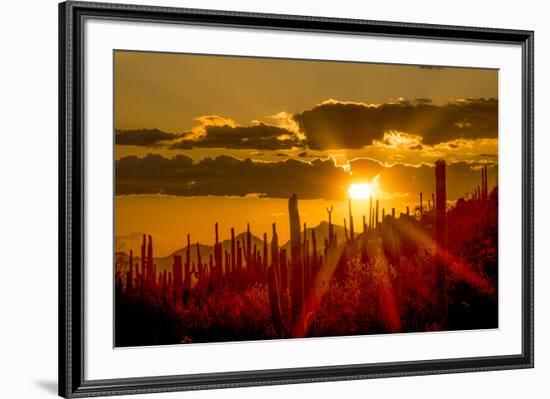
<point x="252" y="199"/>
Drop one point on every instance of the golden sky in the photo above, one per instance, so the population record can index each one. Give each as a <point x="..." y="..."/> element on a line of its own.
<point x="197" y="126"/>
<point x="168" y="91"/>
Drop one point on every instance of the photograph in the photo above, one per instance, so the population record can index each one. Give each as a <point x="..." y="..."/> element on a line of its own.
<point x="262" y="198"/>
<point x="265" y="200"/>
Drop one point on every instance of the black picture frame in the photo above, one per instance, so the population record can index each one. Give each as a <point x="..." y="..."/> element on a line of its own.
<point x="71" y="196"/>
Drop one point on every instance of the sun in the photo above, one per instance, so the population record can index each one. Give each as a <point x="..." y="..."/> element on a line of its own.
<point x="360" y="191"/>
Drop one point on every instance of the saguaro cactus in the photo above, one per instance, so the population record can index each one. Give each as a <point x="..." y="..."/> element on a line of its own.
<point x="296" y="271"/>
<point x="143" y="261"/>
<point x="284" y="270"/>
<point x="164" y="282"/>
<point x="217" y="255"/>
<point x="370" y="213"/>
<point x="351" y="230"/>
<point x="248" y="248"/>
<point x="346" y="230"/>
<point x="130" y="278"/>
<point x="484" y="185"/>
<point x="187" y="266"/>
<point x="233" y="253"/>
<point x="376" y="215"/>
<point x="177" y="273"/>
<point x="199" y="259"/>
<point x="274" y="245"/>
<point x="264" y="256"/>
<point x="275" y="251"/>
<point x="314" y="250"/>
<point x="149" y="271"/>
<point x="275" y="303"/>
<point x="330" y="227"/>
<point x="440" y="236"/>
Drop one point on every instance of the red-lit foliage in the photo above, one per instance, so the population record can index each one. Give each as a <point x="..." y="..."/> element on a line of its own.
<point x="397" y="275"/>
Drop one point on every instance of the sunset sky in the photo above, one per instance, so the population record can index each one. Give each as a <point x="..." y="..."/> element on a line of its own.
<point x="204" y="139"/>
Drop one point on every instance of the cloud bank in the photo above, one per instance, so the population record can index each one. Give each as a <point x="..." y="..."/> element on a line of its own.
<point x="143" y="137"/>
<point x="339" y="125"/>
<point x="260" y="137"/>
<point x="318" y="178"/>
<point x="229" y="176"/>
<point x="333" y="125"/>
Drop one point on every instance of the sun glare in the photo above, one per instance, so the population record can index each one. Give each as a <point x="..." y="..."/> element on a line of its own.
<point x="360" y="190"/>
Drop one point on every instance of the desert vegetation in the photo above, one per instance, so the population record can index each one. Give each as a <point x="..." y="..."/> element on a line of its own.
<point x="431" y="268"/>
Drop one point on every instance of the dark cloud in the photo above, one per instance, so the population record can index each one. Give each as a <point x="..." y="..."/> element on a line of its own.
<point x="143" y="137"/>
<point x="225" y="175"/>
<point x="338" y="125"/>
<point x="261" y="136"/>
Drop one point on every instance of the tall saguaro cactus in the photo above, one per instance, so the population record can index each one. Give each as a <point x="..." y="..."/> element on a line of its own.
<point x="346" y="230"/>
<point x="330" y="226"/>
<point x="440" y="236"/>
<point x="218" y="255"/>
<point x="351" y="229"/>
<point x="314" y="250"/>
<point x="283" y="271"/>
<point x="274" y="291"/>
<point x="376" y="214"/>
<point x="143" y="262"/>
<point x="187" y="266"/>
<point x="275" y="252"/>
<point x="296" y="271"/>
<point x="248" y="250"/>
<point x="370" y="213"/>
<point x="264" y="256"/>
<point x="150" y="271"/>
<point x="483" y="182"/>
<point x="130" y="278"/>
<point x="233" y="253"/>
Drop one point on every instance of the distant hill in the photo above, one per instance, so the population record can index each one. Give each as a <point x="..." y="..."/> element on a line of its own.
<point x="207" y="250"/>
<point x="321" y="233"/>
<point x="165" y="263"/>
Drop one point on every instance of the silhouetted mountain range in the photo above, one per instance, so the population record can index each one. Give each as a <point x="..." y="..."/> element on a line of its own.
<point x="165" y="263"/>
